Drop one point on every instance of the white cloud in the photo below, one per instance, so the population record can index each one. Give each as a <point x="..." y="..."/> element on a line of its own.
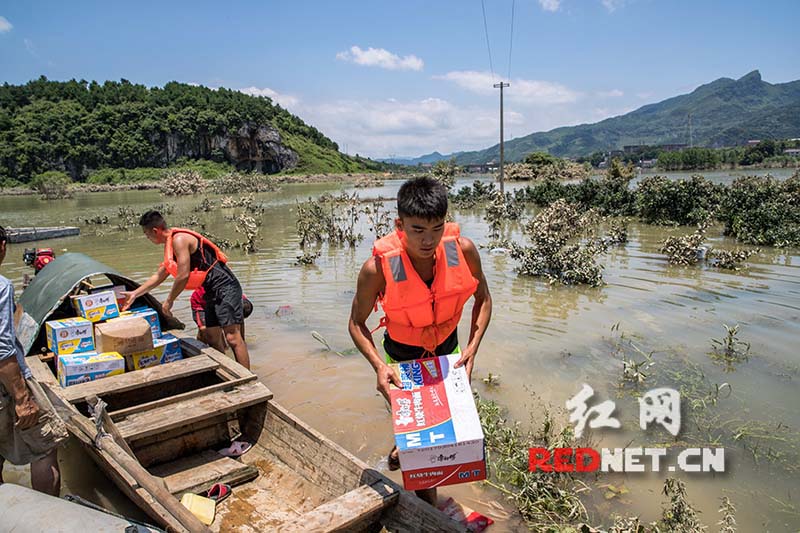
<point x="285" y="100"/>
<point x="5" y="25"/>
<point x="550" y="5"/>
<point x="381" y="128"/>
<point x="531" y="92"/>
<point x="613" y="93"/>
<point x="379" y="57"/>
<point x="612" y="5"/>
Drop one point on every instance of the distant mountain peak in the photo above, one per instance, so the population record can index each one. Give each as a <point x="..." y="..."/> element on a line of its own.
<point x="751" y="76"/>
<point x="724" y="112"/>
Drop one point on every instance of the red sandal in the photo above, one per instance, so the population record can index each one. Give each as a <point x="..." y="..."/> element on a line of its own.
<point x="218" y="492"/>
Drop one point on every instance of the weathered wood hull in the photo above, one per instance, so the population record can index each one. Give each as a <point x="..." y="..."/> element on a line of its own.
<point x="174" y="418"/>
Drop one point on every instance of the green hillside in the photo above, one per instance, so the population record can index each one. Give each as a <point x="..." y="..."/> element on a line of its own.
<point x="724" y="112"/>
<point x="79" y="127"/>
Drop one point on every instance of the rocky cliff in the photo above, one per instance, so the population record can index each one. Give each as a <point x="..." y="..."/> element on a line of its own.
<point x="250" y="147"/>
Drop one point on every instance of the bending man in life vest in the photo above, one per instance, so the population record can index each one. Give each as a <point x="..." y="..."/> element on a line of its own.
<point x="422" y="274"/>
<point x="194" y="261"/>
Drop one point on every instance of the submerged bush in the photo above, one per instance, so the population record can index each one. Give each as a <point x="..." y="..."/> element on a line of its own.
<point x="611" y="195"/>
<point x="660" y="200"/>
<point x="472" y="196"/>
<point x="763" y="210"/>
<point x="52" y="185"/>
<point x="181" y="183"/>
<point x="237" y="182"/>
<point x="686" y="249"/>
<point x="554" y="252"/>
<point x="445" y="172"/>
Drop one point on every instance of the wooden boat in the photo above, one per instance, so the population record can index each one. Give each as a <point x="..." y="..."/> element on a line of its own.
<point x="19" y="235"/>
<point x="161" y="428"/>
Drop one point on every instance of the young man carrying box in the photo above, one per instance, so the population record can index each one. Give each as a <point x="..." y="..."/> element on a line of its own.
<point x="422" y="274"/>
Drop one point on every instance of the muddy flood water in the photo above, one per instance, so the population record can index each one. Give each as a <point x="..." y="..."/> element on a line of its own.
<point x="544" y="342"/>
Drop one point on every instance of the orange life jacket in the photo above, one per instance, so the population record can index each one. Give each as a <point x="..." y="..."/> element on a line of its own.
<point x="415" y="314"/>
<point x="196" y="276"/>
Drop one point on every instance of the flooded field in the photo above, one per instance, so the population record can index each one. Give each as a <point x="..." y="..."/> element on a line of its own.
<point x="544" y="342"/>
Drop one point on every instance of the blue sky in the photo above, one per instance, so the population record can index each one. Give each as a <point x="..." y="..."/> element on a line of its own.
<point x="409" y="77"/>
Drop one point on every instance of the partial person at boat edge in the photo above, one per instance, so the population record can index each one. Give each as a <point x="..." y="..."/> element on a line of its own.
<point x="30" y="431"/>
<point x="194" y="261"/>
<point x="426" y="270"/>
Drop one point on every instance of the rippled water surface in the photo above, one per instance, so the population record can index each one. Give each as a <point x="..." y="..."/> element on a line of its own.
<point x="544" y="342"/>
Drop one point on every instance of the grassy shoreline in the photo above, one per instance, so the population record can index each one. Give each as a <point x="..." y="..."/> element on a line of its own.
<point x="80" y="188"/>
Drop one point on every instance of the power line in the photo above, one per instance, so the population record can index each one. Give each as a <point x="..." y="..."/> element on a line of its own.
<point x="511" y="40"/>
<point x="486" y="32"/>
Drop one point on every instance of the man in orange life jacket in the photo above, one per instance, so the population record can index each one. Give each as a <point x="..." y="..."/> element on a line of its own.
<point x="195" y="261"/>
<point x="422" y="275"/>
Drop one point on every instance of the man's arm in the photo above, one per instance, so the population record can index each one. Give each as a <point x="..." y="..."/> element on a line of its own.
<point x="11" y="377"/>
<point x="482" y="308"/>
<point x="370" y="284"/>
<point x="10" y="373"/>
<point x="152" y="282"/>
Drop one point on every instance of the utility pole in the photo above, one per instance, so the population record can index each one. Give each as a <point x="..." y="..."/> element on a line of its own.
<point x="500" y="86"/>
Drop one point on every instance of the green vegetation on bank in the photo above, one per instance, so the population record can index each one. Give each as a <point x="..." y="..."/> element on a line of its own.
<point x="120" y="132"/>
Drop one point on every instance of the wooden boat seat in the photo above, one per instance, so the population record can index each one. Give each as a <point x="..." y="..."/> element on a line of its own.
<point x="179" y="411"/>
<point x="197" y="473"/>
<point x="134" y="380"/>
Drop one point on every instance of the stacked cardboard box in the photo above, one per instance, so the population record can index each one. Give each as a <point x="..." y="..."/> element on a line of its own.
<point x="83" y="367"/>
<point x="165" y="349"/>
<point x="116" y="289"/>
<point x="96" y="307"/>
<point x="104" y="342"/>
<point x="70" y="335"/>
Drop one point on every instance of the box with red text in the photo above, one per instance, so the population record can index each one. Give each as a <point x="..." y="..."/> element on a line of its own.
<point x="436" y="425"/>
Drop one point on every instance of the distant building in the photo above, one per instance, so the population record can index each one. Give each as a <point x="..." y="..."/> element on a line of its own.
<point x="476" y="169"/>
<point x="633" y="148"/>
<point x="672" y="147"/>
<point x="648" y="163"/>
<point x="794" y="152"/>
<point x="753" y="142"/>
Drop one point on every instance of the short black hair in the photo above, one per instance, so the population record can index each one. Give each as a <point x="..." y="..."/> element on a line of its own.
<point x="152" y="219"/>
<point x="423" y="198"/>
<point x="3" y="234"/>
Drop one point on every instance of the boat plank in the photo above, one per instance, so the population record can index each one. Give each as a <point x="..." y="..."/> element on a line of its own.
<point x="197" y="473"/>
<point x="194" y="347"/>
<point x="227" y="385"/>
<point x="139" y="378"/>
<point x="171" y="445"/>
<point x="351" y="511"/>
<point x="187" y="412"/>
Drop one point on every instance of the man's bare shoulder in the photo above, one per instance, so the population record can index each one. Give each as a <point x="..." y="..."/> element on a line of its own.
<point x="182" y="240"/>
<point x="371" y="270"/>
<point x="468" y="247"/>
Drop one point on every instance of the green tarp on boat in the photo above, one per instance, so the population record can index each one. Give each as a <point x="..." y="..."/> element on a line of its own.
<point x="57" y="281"/>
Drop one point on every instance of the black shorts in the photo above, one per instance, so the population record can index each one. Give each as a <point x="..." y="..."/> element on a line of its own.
<point x="224" y="305"/>
<point x="199" y="318"/>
